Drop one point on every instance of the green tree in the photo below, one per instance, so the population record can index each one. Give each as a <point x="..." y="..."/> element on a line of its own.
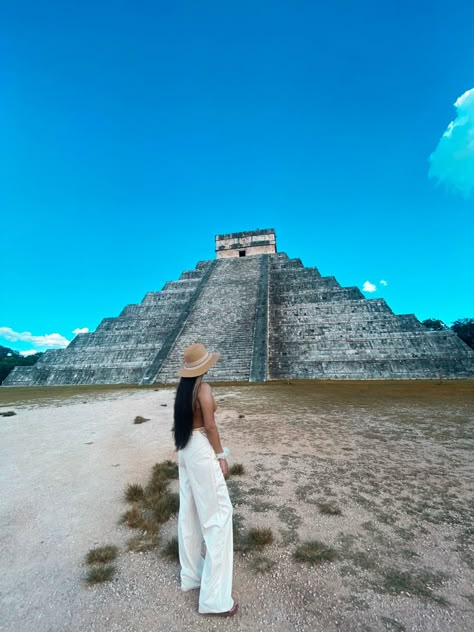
<point x="464" y="328"/>
<point x="434" y="324"/>
<point x="10" y="358"/>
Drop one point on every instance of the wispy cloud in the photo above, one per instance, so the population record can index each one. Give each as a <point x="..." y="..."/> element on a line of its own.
<point x="383" y="282"/>
<point x="48" y="341"/>
<point x="84" y="330"/>
<point x="452" y="162"/>
<point x="369" y="287"/>
<point x="28" y="353"/>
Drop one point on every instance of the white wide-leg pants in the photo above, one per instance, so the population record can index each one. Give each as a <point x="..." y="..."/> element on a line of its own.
<point x="205" y="513"/>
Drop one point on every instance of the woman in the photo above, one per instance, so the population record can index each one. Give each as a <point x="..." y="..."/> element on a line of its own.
<point x="205" y="510"/>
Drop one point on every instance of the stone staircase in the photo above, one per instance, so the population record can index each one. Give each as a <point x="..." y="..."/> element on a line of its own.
<point x="223" y="319"/>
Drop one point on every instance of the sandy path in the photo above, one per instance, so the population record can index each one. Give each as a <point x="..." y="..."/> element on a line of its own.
<point x="63" y="471"/>
<point x="399" y="465"/>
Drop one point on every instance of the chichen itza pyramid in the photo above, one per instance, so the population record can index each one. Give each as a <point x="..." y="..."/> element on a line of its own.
<point x="269" y="316"/>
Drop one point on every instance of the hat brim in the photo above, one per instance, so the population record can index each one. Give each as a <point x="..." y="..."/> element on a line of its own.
<point x="203" y="368"/>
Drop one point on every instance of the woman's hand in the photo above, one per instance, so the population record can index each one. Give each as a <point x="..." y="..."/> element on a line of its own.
<point x="224" y="466"/>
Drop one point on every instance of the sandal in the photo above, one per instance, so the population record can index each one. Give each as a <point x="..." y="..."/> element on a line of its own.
<point x="228" y="613"/>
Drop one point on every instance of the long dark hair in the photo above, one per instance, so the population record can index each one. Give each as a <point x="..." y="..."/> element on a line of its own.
<point x="183" y="411"/>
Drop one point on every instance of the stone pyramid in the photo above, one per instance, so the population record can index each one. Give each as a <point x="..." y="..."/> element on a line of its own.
<point x="268" y="315"/>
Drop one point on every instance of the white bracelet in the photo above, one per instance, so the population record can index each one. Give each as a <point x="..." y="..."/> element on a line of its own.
<point x="224" y="454"/>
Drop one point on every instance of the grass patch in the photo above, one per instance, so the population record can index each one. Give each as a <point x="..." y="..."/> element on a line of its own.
<point x="262" y="506"/>
<point x="161" y="474"/>
<point x="314" y="552"/>
<point x="165" y="507"/>
<point x="240" y="539"/>
<point x="102" y="554"/>
<point x="258" y="538"/>
<point x="140" y="420"/>
<point x="237" y="469"/>
<point x="328" y="509"/>
<point x="171" y="550"/>
<point x="289" y="536"/>
<point x="303" y="492"/>
<point x="235" y="492"/>
<point x="152" y="506"/>
<point x="418" y="585"/>
<point x="291" y="518"/>
<point x="100" y="573"/>
<point x="156" y="486"/>
<point x="133" y="518"/>
<point x="8" y="413"/>
<point x="258" y="491"/>
<point x="134" y="492"/>
<point x="142" y="543"/>
<point x="169" y="469"/>
<point x="363" y="561"/>
<point x="262" y="564"/>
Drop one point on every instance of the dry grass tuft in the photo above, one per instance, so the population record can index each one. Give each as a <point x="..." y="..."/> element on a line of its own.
<point x="133" y="518"/>
<point x="142" y="543"/>
<point x="167" y="469"/>
<point x="134" y="492"/>
<point x="102" y="554"/>
<point x="237" y="469"/>
<point x="157" y="486"/>
<point x="166" y="506"/>
<point x="262" y="564"/>
<point x="314" y="552"/>
<point x="171" y="550"/>
<point x="100" y="573"/>
<point x="330" y="510"/>
<point x="153" y="505"/>
<point x="259" y="538"/>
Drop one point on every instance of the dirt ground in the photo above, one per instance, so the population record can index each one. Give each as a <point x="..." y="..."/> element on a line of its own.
<point x="392" y="461"/>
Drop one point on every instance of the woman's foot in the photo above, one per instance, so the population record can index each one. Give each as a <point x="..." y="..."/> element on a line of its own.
<point x="228" y="613"/>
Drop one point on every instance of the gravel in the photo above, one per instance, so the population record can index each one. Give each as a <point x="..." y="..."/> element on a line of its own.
<point x="65" y="466"/>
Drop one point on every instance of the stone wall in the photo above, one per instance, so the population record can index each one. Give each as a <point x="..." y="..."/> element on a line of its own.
<point x="257" y="242"/>
<point x="122" y="349"/>
<point x="320" y="330"/>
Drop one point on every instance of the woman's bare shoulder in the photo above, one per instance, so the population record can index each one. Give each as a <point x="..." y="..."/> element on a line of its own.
<point x="205" y="395"/>
<point x="205" y="390"/>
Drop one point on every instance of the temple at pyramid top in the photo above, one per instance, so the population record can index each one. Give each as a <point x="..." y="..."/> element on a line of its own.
<point x="252" y="242"/>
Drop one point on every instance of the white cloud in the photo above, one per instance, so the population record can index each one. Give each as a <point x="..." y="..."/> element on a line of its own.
<point x="55" y="341"/>
<point x="369" y="287"/>
<point x="28" y="353"/>
<point x="383" y="282"/>
<point x="452" y="162"/>
<point x="84" y="330"/>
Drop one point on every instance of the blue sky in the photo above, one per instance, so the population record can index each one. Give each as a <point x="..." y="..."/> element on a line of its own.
<point x="132" y="133"/>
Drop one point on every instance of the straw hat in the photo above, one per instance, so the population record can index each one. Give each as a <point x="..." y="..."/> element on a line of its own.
<point x="197" y="360"/>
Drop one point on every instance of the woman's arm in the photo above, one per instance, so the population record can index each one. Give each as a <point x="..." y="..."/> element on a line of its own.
<point x="206" y="402"/>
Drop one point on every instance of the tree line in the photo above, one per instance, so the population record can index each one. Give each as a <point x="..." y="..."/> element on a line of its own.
<point x="463" y="327"/>
<point x="10" y="358"/>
